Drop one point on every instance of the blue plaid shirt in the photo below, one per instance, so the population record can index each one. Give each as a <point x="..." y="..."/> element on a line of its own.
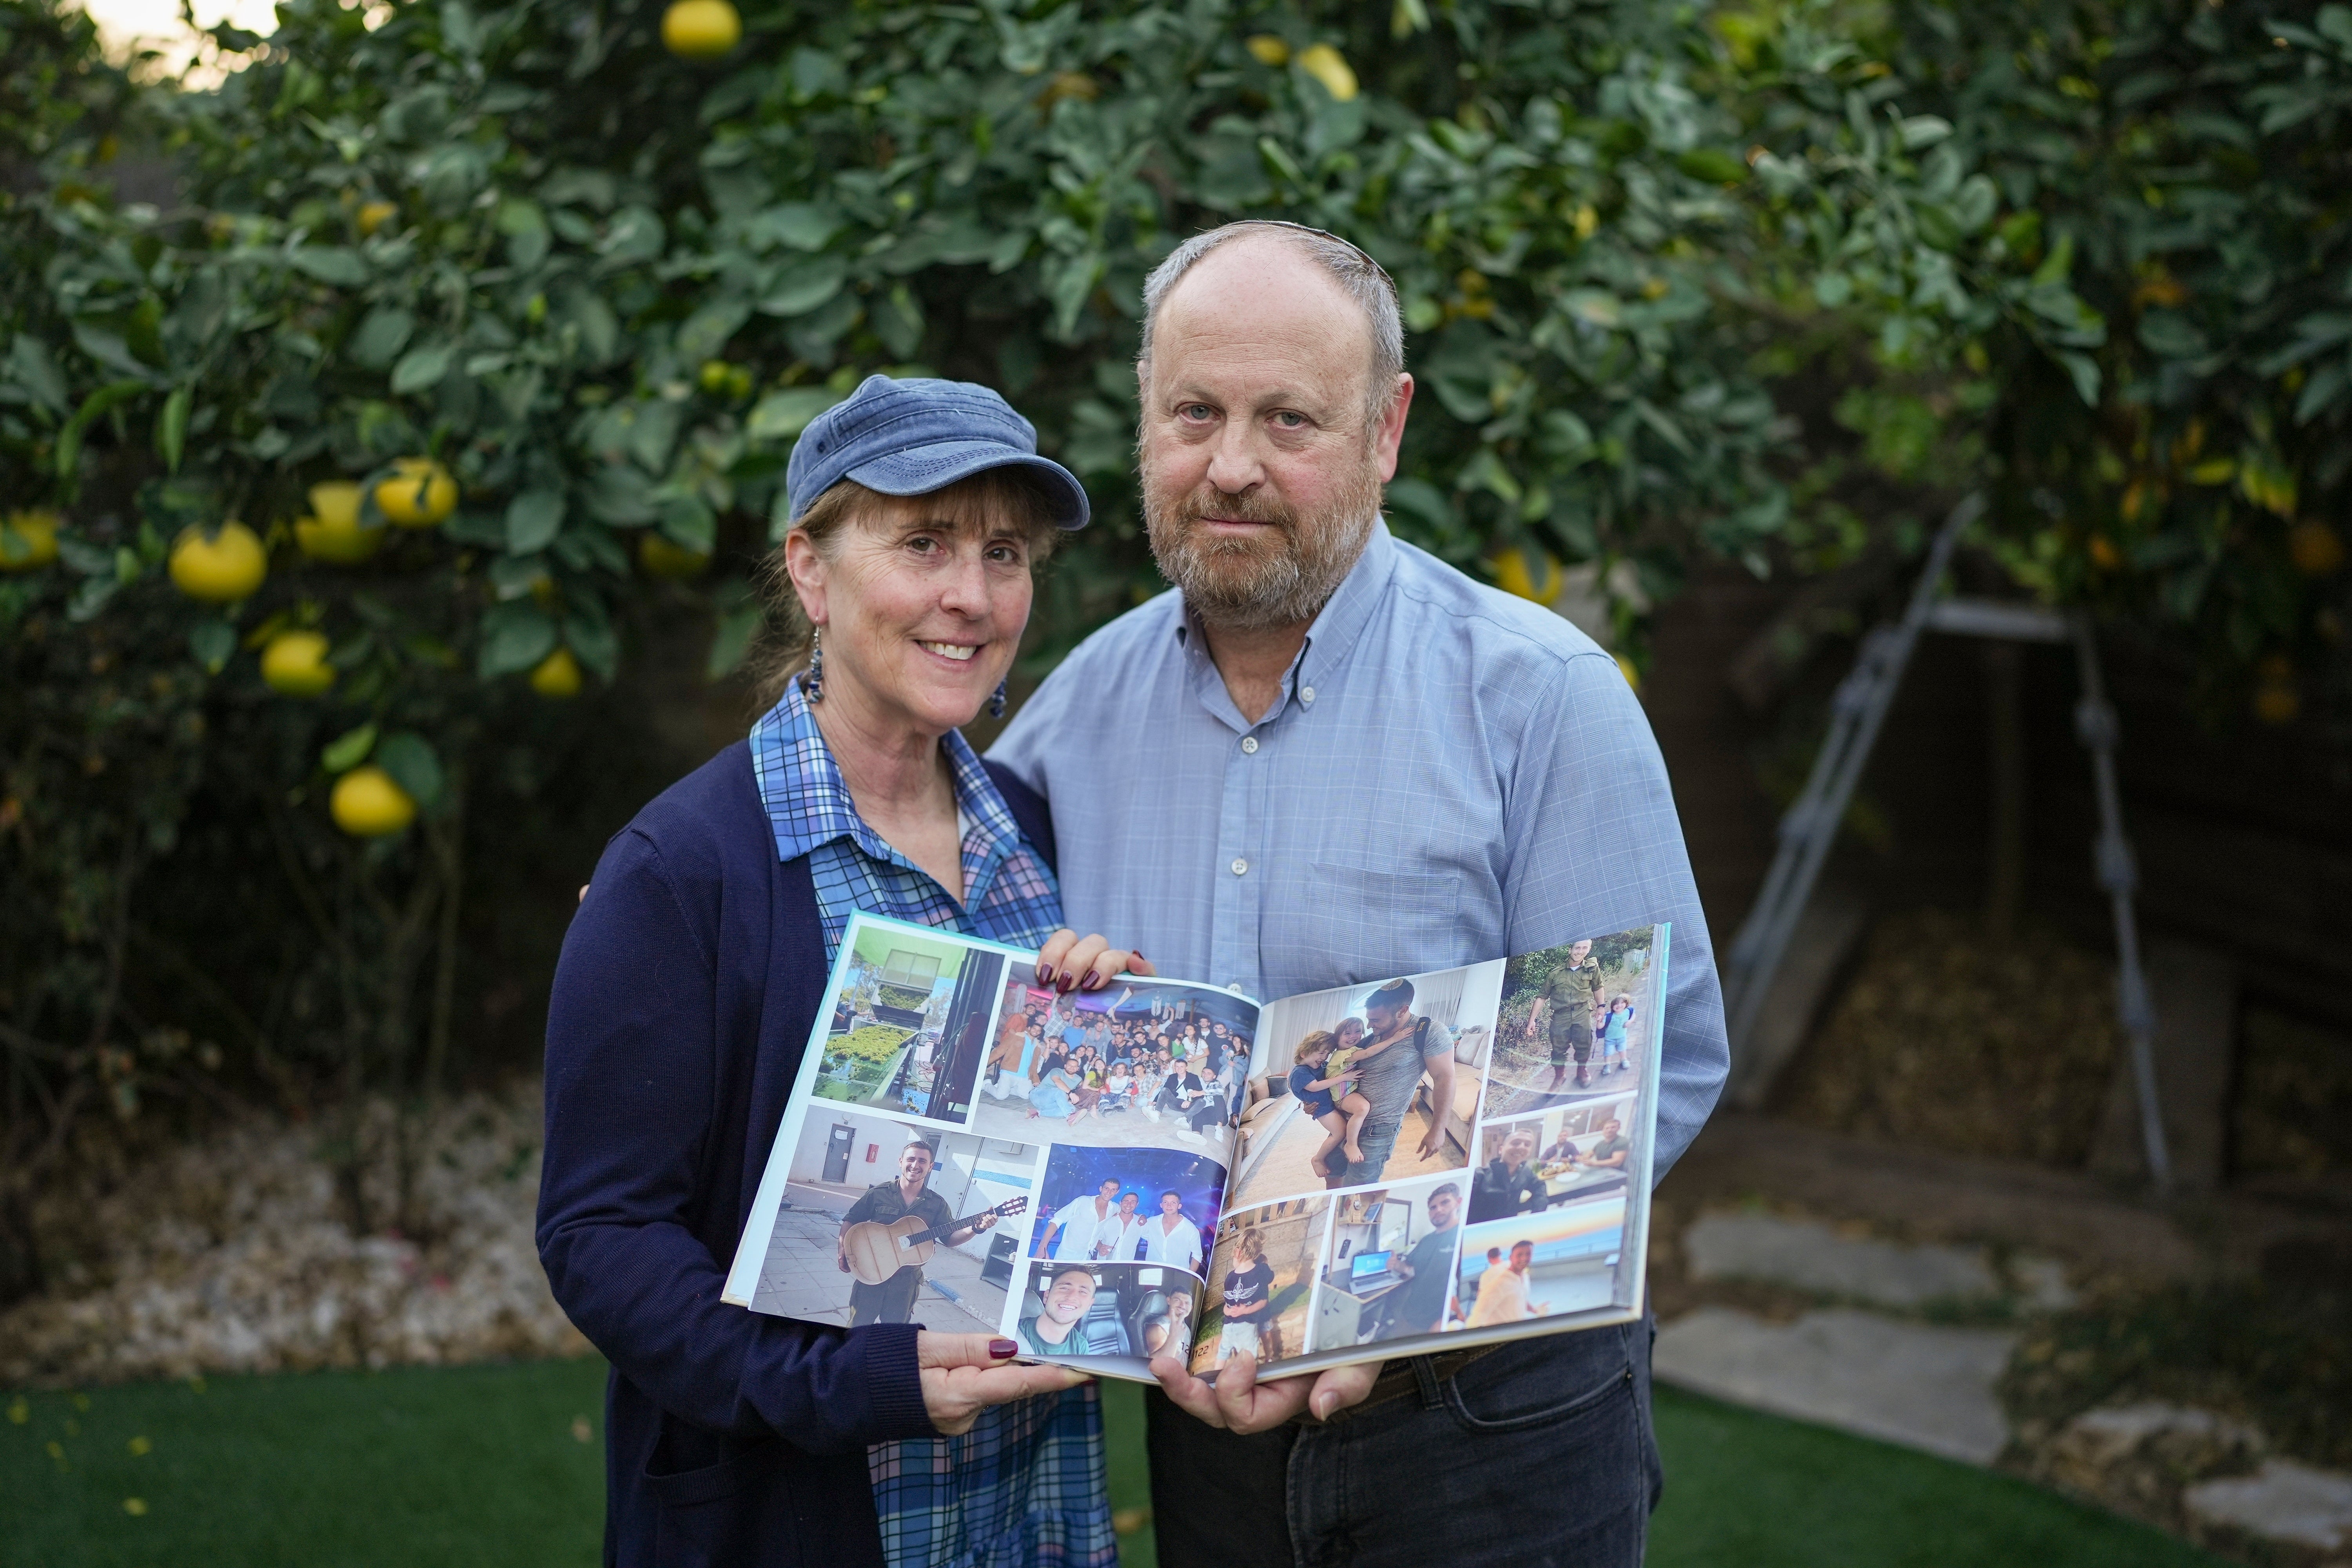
<point x="1028" y="1484"/>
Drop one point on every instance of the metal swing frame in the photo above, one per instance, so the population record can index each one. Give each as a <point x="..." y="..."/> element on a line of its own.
<point x="1810" y="827"/>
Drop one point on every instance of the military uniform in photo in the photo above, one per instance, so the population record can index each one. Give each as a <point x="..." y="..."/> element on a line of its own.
<point x="893" y="1300"/>
<point x="1569" y="996"/>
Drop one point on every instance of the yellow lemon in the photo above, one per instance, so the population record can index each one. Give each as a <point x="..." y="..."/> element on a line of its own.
<point x="1513" y="575"/>
<point x="700" y="29"/>
<point x="374" y="216"/>
<point x="2104" y="554"/>
<point x="418" y="495"/>
<point x="716" y="375"/>
<point x="2277" y="702"/>
<point x="220" y="569"/>
<point x="367" y="805"/>
<point x="1633" y="675"/>
<point x="1269" y="49"/>
<point x="333" y="532"/>
<point x="296" y="664"/>
<point x="663" y="558"/>
<point x="28" y="541"/>
<point x="558" y="675"/>
<point x="1329" y="66"/>
<point x="2316" y="549"/>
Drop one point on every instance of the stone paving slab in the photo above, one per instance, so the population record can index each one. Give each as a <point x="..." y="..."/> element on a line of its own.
<point x="2282" y="1501"/>
<point x="1917" y="1384"/>
<point x="1808" y="1255"/>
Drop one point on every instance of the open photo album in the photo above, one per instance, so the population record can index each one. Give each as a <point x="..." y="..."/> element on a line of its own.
<point x="1414" y="1163"/>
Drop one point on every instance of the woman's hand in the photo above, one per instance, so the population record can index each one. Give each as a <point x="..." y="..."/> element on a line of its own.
<point x="1069" y="961"/>
<point x="964" y="1374"/>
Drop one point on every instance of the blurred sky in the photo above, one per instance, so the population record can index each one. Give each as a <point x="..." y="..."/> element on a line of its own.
<point x="125" y="25"/>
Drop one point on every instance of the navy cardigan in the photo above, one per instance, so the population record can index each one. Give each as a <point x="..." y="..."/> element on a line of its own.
<point x="690" y="981"/>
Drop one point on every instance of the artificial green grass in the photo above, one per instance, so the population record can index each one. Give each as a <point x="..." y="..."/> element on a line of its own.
<point x="449" y="1466"/>
<point x="1750" y="1490"/>
<point x="460" y="1466"/>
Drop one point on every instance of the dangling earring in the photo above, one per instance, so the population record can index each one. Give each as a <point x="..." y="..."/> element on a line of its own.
<point x="996" y="704"/>
<point x="812" y="683"/>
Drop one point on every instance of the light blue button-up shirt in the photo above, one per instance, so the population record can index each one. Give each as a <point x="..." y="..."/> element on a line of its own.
<point x="1449" y="774"/>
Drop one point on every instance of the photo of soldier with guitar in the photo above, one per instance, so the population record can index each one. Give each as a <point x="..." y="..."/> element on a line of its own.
<point x="889" y="1235"/>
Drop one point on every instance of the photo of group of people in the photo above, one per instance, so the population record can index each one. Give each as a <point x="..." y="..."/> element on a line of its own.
<point x="1366" y="1084"/>
<point x="1142" y="1063"/>
<point x="910" y="1024"/>
<point x="1126" y="1206"/>
<point x="1262" y="1284"/>
<point x="1573" y="1024"/>
<point x="886" y="1221"/>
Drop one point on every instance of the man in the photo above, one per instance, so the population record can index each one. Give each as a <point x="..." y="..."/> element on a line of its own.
<point x="893" y="1300"/>
<point x="1398" y="1049"/>
<point x="1115" y="1238"/>
<point x="1078" y="1223"/>
<point x="1503" y="1293"/>
<point x="1170" y="1237"/>
<point x="1328" y="757"/>
<point x="1572" y="995"/>
<point x="1509" y="1185"/>
<point x="1612" y="1152"/>
<point x="1060" y="1327"/>
<point x="1418" y="1306"/>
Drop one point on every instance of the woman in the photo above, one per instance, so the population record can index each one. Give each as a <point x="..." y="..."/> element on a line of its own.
<point x="685" y="999"/>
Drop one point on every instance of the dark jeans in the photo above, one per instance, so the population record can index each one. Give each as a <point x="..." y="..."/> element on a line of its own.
<point x="1538" y="1455"/>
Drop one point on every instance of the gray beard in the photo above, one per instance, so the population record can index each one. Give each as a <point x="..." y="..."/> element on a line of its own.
<point x="1244" y="586"/>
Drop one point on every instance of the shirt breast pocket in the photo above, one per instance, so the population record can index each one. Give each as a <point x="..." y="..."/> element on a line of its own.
<point x="1369" y="923"/>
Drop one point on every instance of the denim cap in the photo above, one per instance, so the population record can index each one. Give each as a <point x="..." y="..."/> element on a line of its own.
<point x="913" y="437"/>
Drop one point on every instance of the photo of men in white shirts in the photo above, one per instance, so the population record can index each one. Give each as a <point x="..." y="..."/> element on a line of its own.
<point x="1170" y="1237"/>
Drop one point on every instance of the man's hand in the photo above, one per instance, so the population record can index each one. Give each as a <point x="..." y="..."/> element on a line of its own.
<point x="1239" y="1403"/>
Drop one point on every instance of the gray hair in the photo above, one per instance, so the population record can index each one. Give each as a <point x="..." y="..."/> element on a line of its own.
<point x="1358" y="274"/>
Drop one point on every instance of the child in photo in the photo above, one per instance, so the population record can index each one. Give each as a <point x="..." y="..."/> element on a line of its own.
<point x="1117" y="1087"/>
<point x="1325" y="1092"/>
<point x="1249" y="1298"/>
<point x="1613" y="1034"/>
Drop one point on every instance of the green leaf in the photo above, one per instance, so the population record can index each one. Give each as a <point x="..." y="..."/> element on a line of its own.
<point x="171" y="429"/>
<point x="348" y="750"/>
<point x="335" y="264"/>
<point x="68" y="452"/>
<point x="382" y="336"/>
<point x="781" y="415"/>
<point x="707" y="331"/>
<point x="423" y="367"/>
<point x="534" y="520"/>
<point x="413" y="765"/>
<point x="515" y="637"/>
<point x="214" y="642"/>
<point x="800" y="225"/>
<point x="588" y="633"/>
<point x="742" y="615"/>
<point x="2084" y="371"/>
<point x="30" y="363"/>
<point x="797" y="290"/>
<point x="1713" y="165"/>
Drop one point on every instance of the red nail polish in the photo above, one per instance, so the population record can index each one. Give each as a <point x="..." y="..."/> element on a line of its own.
<point x="1044" y="974"/>
<point x="1004" y="1349"/>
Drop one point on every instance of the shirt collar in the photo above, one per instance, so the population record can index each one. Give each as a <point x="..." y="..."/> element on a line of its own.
<point x="808" y="801"/>
<point x="1338" y="625"/>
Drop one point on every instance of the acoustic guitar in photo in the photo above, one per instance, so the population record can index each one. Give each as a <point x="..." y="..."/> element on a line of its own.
<point x="874" y="1251"/>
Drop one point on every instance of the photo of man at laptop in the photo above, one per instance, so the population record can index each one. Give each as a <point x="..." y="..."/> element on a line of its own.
<point x="1390" y="1267"/>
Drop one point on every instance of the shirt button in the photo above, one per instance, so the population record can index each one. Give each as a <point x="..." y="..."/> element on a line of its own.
<point x="1241" y="868"/>
<point x="1306" y="694"/>
<point x="1249" y="743"/>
